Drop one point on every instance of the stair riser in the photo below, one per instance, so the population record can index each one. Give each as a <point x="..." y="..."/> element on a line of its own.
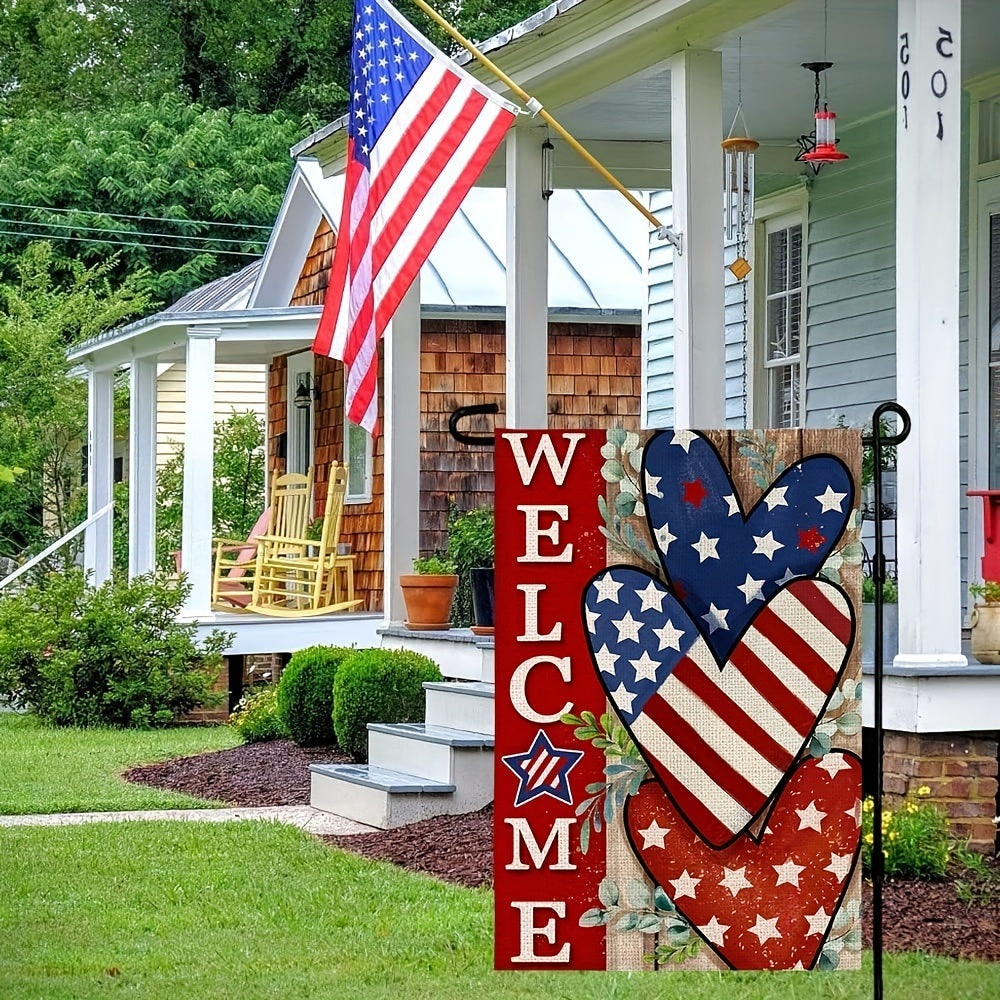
<point x="381" y="809"/>
<point x="458" y="660"/>
<point x="470" y="713"/>
<point x="459" y="766"/>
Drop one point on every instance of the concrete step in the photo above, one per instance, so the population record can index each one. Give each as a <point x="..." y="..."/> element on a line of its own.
<point x="459" y="654"/>
<point x="466" y="705"/>
<point x="452" y="756"/>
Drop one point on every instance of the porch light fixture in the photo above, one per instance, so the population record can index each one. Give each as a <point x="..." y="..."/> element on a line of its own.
<point x="306" y="391"/>
<point x="547" y="149"/>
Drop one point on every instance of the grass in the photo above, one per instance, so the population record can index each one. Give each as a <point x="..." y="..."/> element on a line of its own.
<point x="257" y="910"/>
<point x="48" y="770"/>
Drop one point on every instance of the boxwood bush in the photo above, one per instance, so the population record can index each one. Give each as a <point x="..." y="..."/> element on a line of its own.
<point x="378" y="685"/>
<point x="305" y="693"/>
<point x="113" y="655"/>
<point x="256" y="716"/>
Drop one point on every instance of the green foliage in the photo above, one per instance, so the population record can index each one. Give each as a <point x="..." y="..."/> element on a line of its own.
<point x="435" y="565"/>
<point x="43" y="411"/>
<point x="237" y="489"/>
<point x="481" y="19"/>
<point x="470" y="545"/>
<point x="890" y="590"/>
<point x="915" y="838"/>
<point x="256" y="716"/>
<point x="868" y="452"/>
<point x="110" y="655"/>
<point x="305" y="693"/>
<point x="988" y="591"/>
<point x="378" y="685"/>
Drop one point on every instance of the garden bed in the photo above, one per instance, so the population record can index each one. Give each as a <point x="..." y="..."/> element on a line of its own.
<point x="918" y="915"/>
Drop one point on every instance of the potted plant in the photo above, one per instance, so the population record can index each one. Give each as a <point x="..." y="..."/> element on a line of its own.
<point x="888" y="476"/>
<point x="470" y="546"/>
<point x="428" y="593"/>
<point x="890" y="620"/>
<point x="985" y="640"/>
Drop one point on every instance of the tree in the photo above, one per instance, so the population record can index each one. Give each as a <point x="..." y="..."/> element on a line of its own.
<point x="43" y="410"/>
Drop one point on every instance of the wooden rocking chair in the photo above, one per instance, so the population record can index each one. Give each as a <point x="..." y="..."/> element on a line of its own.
<point x="298" y="577"/>
<point x="235" y="561"/>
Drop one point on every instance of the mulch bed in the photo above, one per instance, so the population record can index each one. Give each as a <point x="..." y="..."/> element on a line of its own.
<point x="917" y="915"/>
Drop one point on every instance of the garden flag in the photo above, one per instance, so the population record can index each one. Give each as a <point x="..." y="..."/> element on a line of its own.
<point x="419" y="132"/>
<point x="678" y="779"/>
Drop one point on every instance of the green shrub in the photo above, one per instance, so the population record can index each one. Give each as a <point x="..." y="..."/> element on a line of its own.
<point x="890" y="591"/>
<point x="111" y="655"/>
<point x="305" y="693"/>
<point x="435" y="565"/>
<point x="470" y="544"/>
<point x="256" y="716"/>
<point x="915" y="839"/>
<point x="378" y="685"/>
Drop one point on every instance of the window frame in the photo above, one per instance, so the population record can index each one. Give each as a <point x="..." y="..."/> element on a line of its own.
<point x="365" y="496"/>
<point x="295" y="365"/>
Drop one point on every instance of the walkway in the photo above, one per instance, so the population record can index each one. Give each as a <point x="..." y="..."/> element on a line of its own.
<point x="304" y="817"/>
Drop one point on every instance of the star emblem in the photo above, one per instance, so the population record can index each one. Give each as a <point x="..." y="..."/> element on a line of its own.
<point x="716" y="618"/>
<point x="623" y="698"/>
<point x="830" y="500"/>
<point x="543" y="769"/>
<point x="735" y="880"/>
<point x="606" y="660"/>
<point x="734" y="504"/>
<point x="694" y="493"/>
<point x="855" y="812"/>
<point x="751" y="589"/>
<point x="788" y="873"/>
<point x="653" y="835"/>
<point x="776" y="498"/>
<point x="670" y="637"/>
<point x="714" y="931"/>
<point x="628" y="628"/>
<point x="833" y="764"/>
<point x="765" y="929"/>
<point x="684" y="886"/>
<point x="664" y="538"/>
<point x="607" y="589"/>
<point x="810" y="539"/>
<point x="653" y="486"/>
<point x="766" y="545"/>
<point x="787" y="578"/>
<point x="683" y="439"/>
<point x="592" y="617"/>
<point x="645" y="667"/>
<point x="811" y="818"/>
<point x="840" y="865"/>
<point x="651" y="596"/>
<point x="818" y="922"/>
<point x="706" y="547"/>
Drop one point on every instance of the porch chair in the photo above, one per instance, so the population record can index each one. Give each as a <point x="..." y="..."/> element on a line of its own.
<point x="298" y="577"/>
<point x="234" y="561"/>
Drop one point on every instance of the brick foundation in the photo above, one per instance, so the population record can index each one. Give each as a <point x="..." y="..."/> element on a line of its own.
<point x="219" y="713"/>
<point x="960" y="771"/>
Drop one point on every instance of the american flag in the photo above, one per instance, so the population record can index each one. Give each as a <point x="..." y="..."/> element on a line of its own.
<point x="420" y="131"/>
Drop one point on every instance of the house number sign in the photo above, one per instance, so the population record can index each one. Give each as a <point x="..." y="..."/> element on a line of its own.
<point x="927" y="65"/>
<point x="678" y="779"/>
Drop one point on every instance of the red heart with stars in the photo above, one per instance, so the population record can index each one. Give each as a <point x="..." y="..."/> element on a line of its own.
<point x="764" y="902"/>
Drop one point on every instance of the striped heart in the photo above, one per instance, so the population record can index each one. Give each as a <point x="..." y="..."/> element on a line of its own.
<point x="720" y="742"/>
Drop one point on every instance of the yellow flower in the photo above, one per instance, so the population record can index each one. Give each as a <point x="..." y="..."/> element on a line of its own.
<point x="911" y="807"/>
<point x="894" y="835"/>
<point x="869" y="838"/>
<point x="869" y="805"/>
<point x="923" y="791"/>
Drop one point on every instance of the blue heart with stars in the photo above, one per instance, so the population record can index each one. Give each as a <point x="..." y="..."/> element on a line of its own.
<point x="725" y="564"/>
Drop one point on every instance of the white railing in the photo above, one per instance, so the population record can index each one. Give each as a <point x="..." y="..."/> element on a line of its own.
<point x="45" y="553"/>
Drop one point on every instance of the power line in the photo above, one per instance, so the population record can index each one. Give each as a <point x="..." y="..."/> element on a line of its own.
<point x="126" y="243"/>
<point x="121" y="215"/>
<point x="125" y="232"/>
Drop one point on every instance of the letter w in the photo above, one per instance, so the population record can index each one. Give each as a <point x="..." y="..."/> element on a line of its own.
<point x="546" y="448"/>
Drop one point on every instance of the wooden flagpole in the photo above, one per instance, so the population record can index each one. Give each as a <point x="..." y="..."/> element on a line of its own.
<point x="536" y="108"/>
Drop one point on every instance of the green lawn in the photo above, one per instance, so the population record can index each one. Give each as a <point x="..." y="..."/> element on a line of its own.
<point x="257" y="910"/>
<point x="46" y="770"/>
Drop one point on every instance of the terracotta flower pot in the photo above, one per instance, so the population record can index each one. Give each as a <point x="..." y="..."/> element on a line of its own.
<point x="428" y="600"/>
<point x="985" y="638"/>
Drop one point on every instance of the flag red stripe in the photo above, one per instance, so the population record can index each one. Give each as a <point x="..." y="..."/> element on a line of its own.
<point x="772" y="689"/>
<point x="689" y="740"/>
<point x="437" y="160"/>
<point x="697" y="814"/>
<point x="795" y="648"/>
<point x="390" y="168"/>
<point x="731" y="714"/>
<point x="406" y="274"/>
<point x="815" y="598"/>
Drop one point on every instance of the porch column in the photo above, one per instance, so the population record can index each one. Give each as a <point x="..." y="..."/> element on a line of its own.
<point x="142" y="468"/>
<point x="97" y="548"/>
<point x="699" y="278"/>
<point x="928" y="181"/>
<point x="527" y="340"/>
<point x="199" y="425"/>
<point x="401" y="460"/>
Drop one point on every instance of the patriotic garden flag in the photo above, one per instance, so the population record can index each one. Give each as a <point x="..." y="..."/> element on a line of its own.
<point x="678" y="780"/>
<point x="420" y="130"/>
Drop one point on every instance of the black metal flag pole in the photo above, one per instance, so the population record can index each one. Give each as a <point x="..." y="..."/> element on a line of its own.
<point x="877" y="441"/>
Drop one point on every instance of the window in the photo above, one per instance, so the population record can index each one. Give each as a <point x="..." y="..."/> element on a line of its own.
<point x="299" y="451"/>
<point x="358" y="458"/>
<point x="780" y="347"/>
